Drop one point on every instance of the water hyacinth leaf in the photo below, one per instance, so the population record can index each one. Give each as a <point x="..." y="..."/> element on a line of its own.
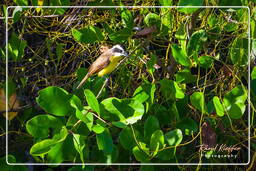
<point x="174" y="137"/>
<point x="90" y="34"/>
<point x="152" y="19"/>
<point x="45" y="146"/>
<point x="127" y="139"/>
<point x="140" y="155"/>
<point x="218" y="106"/>
<point x="171" y="90"/>
<point x="16" y="13"/>
<point x="239" y="52"/>
<point x="144" y="92"/>
<point x="195" y="43"/>
<point x="188" y="125"/>
<point x="237" y="95"/>
<point x="180" y="55"/>
<point x="189" y="3"/>
<point x="185" y="76"/>
<point x="165" y="2"/>
<point x="54" y="100"/>
<point x="16" y="47"/>
<point x="98" y="129"/>
<point x="206" y="61"/>
<point x="120" y="36"/>
<point x="79" y="143"/>
<point x="21" y="2"/>
<point x="253" y="74"/>
<point x="127" y="111"/>
<point x="197" y="100"/>
<point x="156" y="141"/>
<point x="42" y="147"/>
<point x="150" y="126"/>
<point x="40" y="125"/>
<point x="237" y="110"/>
<point x="105" y="142"/>
<point x="92" y="100"/>
<point x="127" y="18"/>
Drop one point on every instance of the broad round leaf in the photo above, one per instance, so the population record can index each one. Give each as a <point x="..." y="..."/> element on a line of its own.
<point x="189" y="3"/>
<point x="150" y="126"/>
<point x="174" y="137"/>
<point x="140" y="155"/>
<point x="197" y="100"/>
<point x="180" y="56"/>
<point x="54" y="100"/>
<point x="152" y="19"/>
<point x="206" y="61"/>
<point x="39" y="126"/>
<point x="218" y="106"/>
<point x="90" y="34"/>
<point x="188" y="125"/>
<point x="92" y="100"/>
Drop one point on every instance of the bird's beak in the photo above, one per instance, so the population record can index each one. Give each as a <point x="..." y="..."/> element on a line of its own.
<point x="126" y="54"/>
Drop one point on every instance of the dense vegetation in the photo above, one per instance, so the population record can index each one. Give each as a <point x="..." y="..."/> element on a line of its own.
<point x="185" y="85"/>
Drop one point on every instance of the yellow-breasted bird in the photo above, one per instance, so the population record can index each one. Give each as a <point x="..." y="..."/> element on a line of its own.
<point x="105" y="63"/>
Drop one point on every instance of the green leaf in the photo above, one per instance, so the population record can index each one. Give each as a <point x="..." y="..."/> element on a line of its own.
<point x="59" y="51"/>
<point x="180" y="56"/>
<point x="197" y="100"/>
<point x="189" y="3"/>
<point x="98" y="129"/>
<point x="62" y="151"/>
<point x="152" y="19"/>
<point x="127" y="111"/>
<point x="253" y="74"/>
<point x="105" y="142"/>
<point x="165" y="2"/>
<point x="21" y="2"/>
<point x="156" y="142"/>
<point x="127" y="139"/>
<point x="45" y="146"/>
<point x="92" y="100"/>
<point x="188" y="125"/>
<point x="147" y="168"/>
<point x="127" y="18"/>
<point x="54" y="100"/>
<point x="121" y="36"/>
<point x="239" y="52"/>
<point x="79" y="143"/>
<point x="140" y="155"/>
<point x="174" y="137"/>
<point x="236" y="95"/>
<point x="185" y="76"/>
<point x="40" y="125"/>
<point x="206" y="61"/>
<point x="234" y="101"/>
<point x="150" y="126"/>
<point x="90" y="34"/>
<point x="16" y="47"/>
<point x="16" y="13"/>
<point x="42" y="147"/>
<point x="218" y="106"/>
<point x="144" y="92"/>
<point x="195" y="43"/>
<point x="171" y="90"/>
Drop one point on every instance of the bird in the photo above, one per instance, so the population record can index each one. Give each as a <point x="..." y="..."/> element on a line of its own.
<point x="106" y="62"/>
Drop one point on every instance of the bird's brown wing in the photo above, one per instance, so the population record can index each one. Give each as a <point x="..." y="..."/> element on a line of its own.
<point x="101" y="62"/>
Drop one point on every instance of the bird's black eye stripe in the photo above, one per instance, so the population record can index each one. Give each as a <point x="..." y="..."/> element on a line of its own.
<point x="118" y="50"/>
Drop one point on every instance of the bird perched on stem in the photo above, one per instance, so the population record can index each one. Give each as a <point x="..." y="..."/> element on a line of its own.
<point x="105" y="63"/>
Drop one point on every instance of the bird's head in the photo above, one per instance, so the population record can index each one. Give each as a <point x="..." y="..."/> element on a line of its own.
<point x="119" y="51"/>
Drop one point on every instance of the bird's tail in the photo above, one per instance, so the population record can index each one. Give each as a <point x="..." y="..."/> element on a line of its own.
<point x="83" y="81"/>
